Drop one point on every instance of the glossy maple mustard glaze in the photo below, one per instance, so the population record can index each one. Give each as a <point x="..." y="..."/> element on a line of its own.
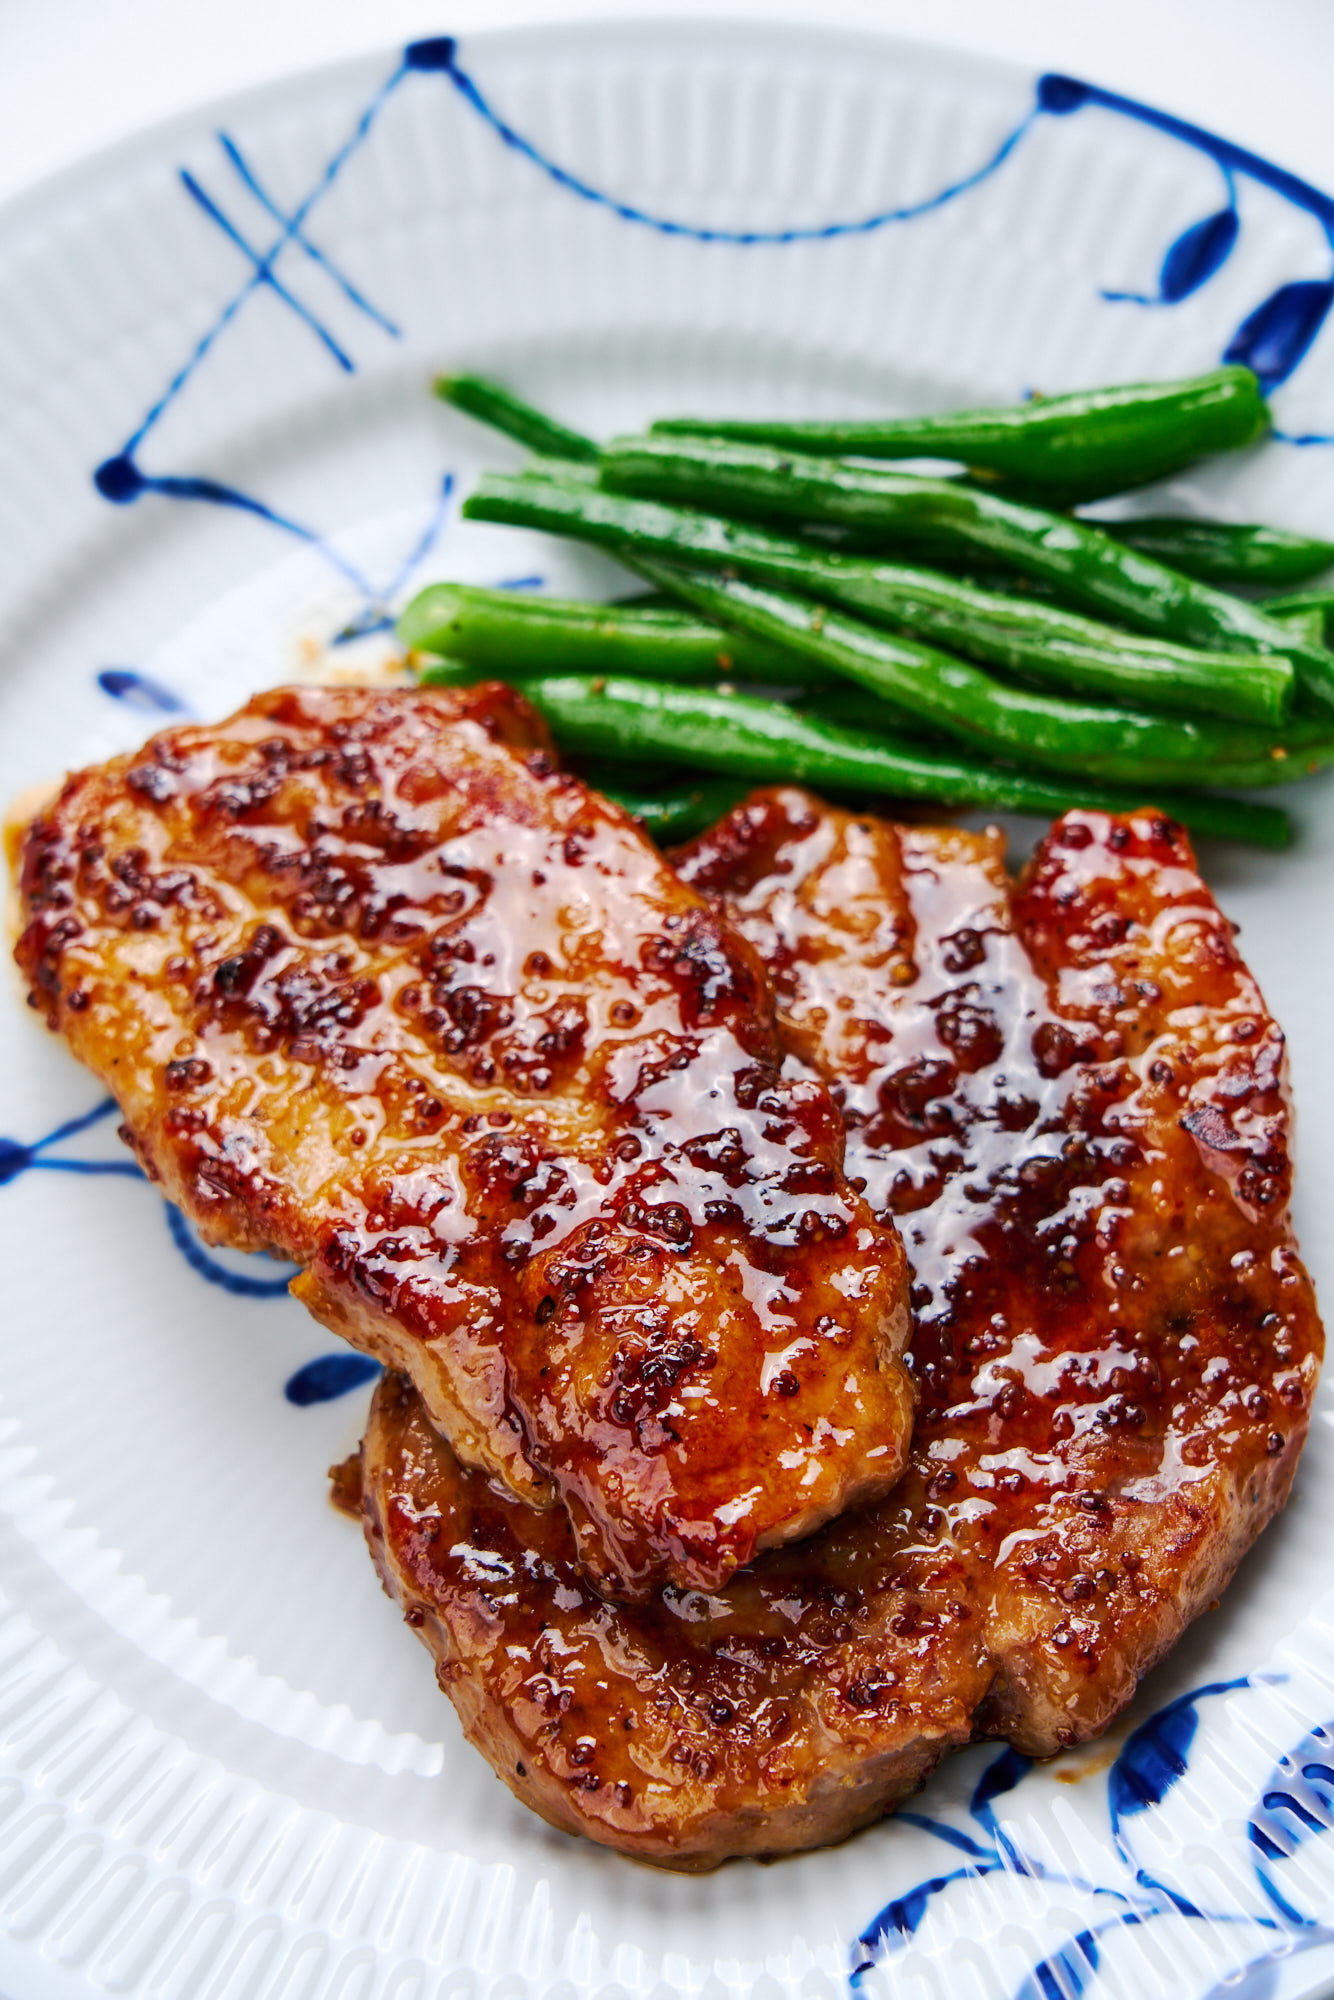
<point x="1073" y="1097"/>
<point x="379" y="987"/>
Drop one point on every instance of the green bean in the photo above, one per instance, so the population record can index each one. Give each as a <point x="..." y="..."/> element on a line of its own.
<point x="645" y="600"/>
<point x="1021" y="725"/>
<point x="1046" y="642"/>
<point x="510" y="633"/>
<point x="1302" y="614"/>
<point x="561" y="506"/>
<point x="576" y="471"/>
<point x="1308" y="623"/>
<point x="1086" y="565"/>
<point x="1262" y="766"/>
<point x="1087" y="445"/>
<point x="450" y="673"/>
<point x="1226" y="552"/>
<point x="1313" y="603"/>
<point x="747" y="736"/>
<point x="676" y="811"/>
<point x="1019" y="632"/>
<point x="492" y="403"/>
<point x="1282" y="764"/>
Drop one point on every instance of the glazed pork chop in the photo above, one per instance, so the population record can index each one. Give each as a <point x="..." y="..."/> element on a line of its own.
<point x="379" y="987"/>
<point x="1073" y="1097"/>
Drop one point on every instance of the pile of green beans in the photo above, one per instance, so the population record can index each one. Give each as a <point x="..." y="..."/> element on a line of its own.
<point x="651" y="722"/>
<point x="918" y="685"/>
<point x="1085" y="565"/>
<point x="1099" y="663"/>
<point x="1031" y="636"/>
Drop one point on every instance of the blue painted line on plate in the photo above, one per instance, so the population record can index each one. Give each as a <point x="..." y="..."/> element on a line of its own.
<point x="213" y="1271"/>
<point x="352" y="292"/>
<point x="136" y="690"/>
<point x="330" y="1376"/>
<point x="18" y="1156"/>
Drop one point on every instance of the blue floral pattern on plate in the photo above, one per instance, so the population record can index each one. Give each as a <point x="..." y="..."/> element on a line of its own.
<point x="1273" y="339"/>
<point x="1295" y="1805"/>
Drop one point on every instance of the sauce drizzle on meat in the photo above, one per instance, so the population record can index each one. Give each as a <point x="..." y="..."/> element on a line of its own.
<point x="1071" y="1094"/>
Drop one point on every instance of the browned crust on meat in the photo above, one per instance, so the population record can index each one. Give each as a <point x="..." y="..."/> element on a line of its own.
<point x="380" y="987"/>
<point x="642" y="1749"/>
<point x="1074" y="1099"/>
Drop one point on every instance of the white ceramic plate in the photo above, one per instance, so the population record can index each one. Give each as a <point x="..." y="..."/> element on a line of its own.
<point x="224" y="1766"/>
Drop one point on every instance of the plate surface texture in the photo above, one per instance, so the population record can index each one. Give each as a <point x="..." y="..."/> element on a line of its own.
<point x="225" y="1770"/>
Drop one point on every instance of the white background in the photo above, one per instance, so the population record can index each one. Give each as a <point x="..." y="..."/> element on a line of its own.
<point x="77" y="74"/>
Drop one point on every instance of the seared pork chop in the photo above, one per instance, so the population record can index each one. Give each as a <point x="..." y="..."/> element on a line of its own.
<point x="380" y="988"/>
<point x="1073" y="1096"/>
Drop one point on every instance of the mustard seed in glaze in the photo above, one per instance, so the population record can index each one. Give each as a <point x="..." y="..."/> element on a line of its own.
<point x="380" y="987"/>
<point x="1115" y="1353"/>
